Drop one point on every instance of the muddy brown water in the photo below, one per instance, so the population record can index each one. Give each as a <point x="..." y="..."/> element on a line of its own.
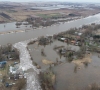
<point x="67" y="76"/>
<point x="33" y="33"/>
<point x="51" y="54"/>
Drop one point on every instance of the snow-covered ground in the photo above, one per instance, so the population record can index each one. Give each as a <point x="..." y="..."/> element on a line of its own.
<point x="25" y="64"/>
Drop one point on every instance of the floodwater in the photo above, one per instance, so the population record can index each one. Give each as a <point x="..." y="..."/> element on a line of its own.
<point x="12" y="26"/>
<point x="54" y="7"/>
<point x="68" y="76"/>
<point x="33" y="33"/>
<point x="51" y="54"/>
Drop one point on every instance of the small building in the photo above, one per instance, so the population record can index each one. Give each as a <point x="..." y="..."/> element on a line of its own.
<point x="14" y="69"/>
<point x="62" y="39"/>
<point x="2" y="64"/>
<point x="14" y="76"/>
<point x="63" y="51"/>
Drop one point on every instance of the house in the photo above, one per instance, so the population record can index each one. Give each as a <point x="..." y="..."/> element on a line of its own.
<point x="79" y="34"/>
<point x="14" y="69"/>
<point x="62" y="39"/>
<point x="2" y="64"/>
<point x="14" y="76"/>
<point x="63" y="51"/>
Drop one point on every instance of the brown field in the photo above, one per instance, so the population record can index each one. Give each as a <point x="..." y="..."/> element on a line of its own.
<point x="20" y="13"/>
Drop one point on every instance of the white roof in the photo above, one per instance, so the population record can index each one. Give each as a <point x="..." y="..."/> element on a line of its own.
<point x="63" y="38"/>
<point x="79" y="33"/>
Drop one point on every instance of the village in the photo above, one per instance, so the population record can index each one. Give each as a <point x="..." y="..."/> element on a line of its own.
<point x="10" y="75"/>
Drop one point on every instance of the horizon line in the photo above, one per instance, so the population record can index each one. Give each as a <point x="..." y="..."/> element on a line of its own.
<point x="52" y="1"/>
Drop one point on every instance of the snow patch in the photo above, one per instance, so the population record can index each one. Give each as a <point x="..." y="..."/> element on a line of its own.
<point x="26" y="63"/>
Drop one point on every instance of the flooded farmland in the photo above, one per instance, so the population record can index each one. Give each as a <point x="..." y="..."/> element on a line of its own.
<point x="51" y="54"/>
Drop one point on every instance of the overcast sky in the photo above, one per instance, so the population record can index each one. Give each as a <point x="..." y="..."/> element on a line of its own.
<point x="54" y="0"/>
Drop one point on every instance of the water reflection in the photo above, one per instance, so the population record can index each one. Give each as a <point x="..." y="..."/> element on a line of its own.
<point x="75" y="68"/>
<point x="86" y="64"/>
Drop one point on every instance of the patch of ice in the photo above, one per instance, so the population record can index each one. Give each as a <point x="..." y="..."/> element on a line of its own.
<point x="26" y="63"/>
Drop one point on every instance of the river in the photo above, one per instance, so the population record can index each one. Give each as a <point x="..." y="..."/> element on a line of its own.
<point x="21" y="36"/>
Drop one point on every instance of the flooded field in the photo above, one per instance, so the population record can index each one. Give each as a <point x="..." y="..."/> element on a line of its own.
<point x="68" y="75"/>
<point x="71" y="78"/>
<point x="50" y="7"/>
<point x="12" y="26"/>
<point x="51" y="54"/>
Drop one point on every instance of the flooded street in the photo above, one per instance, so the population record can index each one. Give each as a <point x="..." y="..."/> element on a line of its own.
<point x="33" y="33"/>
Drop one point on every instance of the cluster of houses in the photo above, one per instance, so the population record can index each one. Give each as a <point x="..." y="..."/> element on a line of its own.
<point x="70" y="39"/>
<point x="14" y="74"/>
<point x="9" y="66"/>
